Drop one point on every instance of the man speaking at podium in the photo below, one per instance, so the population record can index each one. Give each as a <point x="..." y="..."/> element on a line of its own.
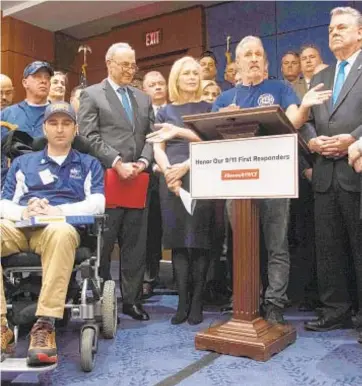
<point x="255" y="91"/>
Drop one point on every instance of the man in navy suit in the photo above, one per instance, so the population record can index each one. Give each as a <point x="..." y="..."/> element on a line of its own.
<point x="337" y="186"/>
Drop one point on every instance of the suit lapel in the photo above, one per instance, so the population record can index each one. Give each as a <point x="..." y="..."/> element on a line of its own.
<point x="134" y="104"/>
<point x="116" y="105"/>
<point x="328" y="80"/>
<point x="352" y="78"/>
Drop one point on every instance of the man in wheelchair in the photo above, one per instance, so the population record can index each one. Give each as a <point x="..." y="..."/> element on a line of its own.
<point x="56" y="181"/>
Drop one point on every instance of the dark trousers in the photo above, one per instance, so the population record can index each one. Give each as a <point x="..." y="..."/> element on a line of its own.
<point x="339" y="248"/>
<point x="154" y="233"/>
<point x="129" y="227"/>
<point x="302" y="234"/>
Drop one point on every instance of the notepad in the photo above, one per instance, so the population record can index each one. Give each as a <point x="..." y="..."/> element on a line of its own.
<point x="42" y="221"/>
<point x="125" y="193"/>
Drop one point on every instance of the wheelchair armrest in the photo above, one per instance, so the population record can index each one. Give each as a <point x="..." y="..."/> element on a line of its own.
<point x="99" y="226"/>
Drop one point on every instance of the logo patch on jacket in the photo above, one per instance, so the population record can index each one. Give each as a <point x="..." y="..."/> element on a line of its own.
<point x="75" y="173"/>
<point x="265" y="100"/>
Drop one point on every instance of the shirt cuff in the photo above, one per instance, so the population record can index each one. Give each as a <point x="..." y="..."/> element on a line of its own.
<point x="144" y="161"/>
<point x="118" y="158"/>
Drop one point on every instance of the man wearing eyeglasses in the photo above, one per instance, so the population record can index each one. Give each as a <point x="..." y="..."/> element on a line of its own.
<point x="116" y="118"/>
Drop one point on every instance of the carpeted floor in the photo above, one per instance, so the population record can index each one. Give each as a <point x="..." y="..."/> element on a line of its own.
<point x="157" y="353"/>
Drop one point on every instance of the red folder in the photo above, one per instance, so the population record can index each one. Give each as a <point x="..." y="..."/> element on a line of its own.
<point x="125" y="193"/>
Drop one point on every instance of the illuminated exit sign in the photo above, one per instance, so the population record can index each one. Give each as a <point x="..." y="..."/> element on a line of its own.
<point x="153" y="38"/>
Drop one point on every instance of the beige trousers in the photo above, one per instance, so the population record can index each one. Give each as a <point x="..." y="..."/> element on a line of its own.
<point x="56" y="244"/>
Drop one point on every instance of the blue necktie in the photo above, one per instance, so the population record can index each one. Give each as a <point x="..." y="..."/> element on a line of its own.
<point x="126" y="104"/>
<point x="339" y="81"/>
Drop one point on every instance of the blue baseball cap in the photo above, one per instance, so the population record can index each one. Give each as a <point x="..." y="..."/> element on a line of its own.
<point x="34" y="67"/>
<point x="60" y="108"/>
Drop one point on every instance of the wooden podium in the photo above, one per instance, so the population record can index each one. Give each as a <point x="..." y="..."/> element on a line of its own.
<point x="246" y="334"/>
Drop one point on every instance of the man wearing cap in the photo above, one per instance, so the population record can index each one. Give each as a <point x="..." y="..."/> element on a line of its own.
<point x="28" y="115"/>
<point x="55" y="181"/>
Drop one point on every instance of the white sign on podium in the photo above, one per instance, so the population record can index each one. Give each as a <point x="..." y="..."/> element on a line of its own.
<point x="257" y="167"/>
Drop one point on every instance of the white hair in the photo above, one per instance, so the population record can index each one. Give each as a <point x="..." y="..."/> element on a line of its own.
<point x="246" y="40"/>
<point x="117" y="47"/>
<point x="348" y="11"/>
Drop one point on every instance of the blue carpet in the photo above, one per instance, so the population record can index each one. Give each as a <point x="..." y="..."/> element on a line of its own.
<point x="145" y="353"/>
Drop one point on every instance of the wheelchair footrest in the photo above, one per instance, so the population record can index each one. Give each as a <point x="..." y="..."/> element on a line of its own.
<point x="19" y="365"/>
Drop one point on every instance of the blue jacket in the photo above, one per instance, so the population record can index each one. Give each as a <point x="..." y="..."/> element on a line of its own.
<point x="38" y="175"/>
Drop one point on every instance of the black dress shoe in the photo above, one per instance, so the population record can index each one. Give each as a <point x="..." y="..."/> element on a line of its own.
<point x="359" y="339"/>
<point x="327" y="324"/>
<point x="135" y="311"/>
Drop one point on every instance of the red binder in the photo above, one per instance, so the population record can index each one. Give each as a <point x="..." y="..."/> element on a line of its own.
<point x="125" y="193"/>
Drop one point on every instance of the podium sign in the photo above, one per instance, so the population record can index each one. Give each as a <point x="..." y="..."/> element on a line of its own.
<point x="258" y="158"/>
<point x="256" y="167"/>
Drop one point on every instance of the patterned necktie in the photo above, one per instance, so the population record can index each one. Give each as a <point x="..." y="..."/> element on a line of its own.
<point x="125" y="103"/>
<point x="339" y="81"/>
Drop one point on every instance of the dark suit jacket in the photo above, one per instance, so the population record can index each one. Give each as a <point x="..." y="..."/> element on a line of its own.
<point x="103" y="120"/>
<point x="345" y="117"/>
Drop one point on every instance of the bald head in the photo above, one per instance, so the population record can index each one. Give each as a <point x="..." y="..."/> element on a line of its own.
<point x="6" y="90"/>
<point x="154" y="84"/>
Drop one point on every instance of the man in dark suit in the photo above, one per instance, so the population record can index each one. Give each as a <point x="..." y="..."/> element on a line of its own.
<point x="337" y="186"/>
<point x="116" y="118"/>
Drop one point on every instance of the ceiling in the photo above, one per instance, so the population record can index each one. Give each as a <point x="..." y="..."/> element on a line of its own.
<point x="82" y="19"/>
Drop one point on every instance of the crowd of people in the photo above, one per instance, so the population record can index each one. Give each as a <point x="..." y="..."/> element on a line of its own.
<point x="135" y="128"/>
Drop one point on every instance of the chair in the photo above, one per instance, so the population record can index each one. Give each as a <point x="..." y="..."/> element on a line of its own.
<point x="92" y="301"/>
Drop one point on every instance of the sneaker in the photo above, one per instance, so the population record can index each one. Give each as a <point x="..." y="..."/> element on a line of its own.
<point x="42" y="349"/>
<point x="274" y="314"/>
<point x="7" y="340"/>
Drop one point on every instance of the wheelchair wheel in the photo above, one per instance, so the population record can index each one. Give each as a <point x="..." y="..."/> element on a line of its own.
<point x="109" y="310"/>
<point x="87" y="351"/>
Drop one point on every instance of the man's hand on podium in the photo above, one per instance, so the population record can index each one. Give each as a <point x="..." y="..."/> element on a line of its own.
<point x="232" y="107"/>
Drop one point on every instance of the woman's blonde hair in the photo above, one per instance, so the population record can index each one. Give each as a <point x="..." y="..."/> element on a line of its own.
<point x="173" y="88"/>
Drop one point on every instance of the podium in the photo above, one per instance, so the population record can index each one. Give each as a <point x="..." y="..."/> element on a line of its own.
<point x="246" y="334"/>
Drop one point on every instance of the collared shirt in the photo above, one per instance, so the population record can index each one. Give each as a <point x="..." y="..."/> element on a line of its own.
<point x="348" y="67"/>
<point x="27" y="117"/>
<point x="115" y="87"/>
<point x="67" y="185"/>
<point x="156" y="108"/>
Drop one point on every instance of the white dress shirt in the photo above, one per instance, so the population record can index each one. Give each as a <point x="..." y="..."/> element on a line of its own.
<point x="115" y="87"/>
<point x="348" y="67"/>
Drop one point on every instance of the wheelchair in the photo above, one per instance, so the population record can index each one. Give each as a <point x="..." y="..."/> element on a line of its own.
<point x="88" y="299"/>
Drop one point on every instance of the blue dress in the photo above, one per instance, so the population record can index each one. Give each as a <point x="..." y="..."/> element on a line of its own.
<point x="181" y="230"/>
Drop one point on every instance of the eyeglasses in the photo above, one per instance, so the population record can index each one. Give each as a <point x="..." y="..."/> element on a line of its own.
<point x="126" y="65"/>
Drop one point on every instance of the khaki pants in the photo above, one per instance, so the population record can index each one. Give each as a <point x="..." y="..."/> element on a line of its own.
<point x="56" y="244"/>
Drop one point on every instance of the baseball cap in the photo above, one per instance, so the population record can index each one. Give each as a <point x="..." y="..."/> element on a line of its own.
<point x="34" y="67"/>
<point x="60" y="107"/>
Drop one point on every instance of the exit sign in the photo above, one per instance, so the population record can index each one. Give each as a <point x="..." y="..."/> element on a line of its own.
<point x="153" y="38"/>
